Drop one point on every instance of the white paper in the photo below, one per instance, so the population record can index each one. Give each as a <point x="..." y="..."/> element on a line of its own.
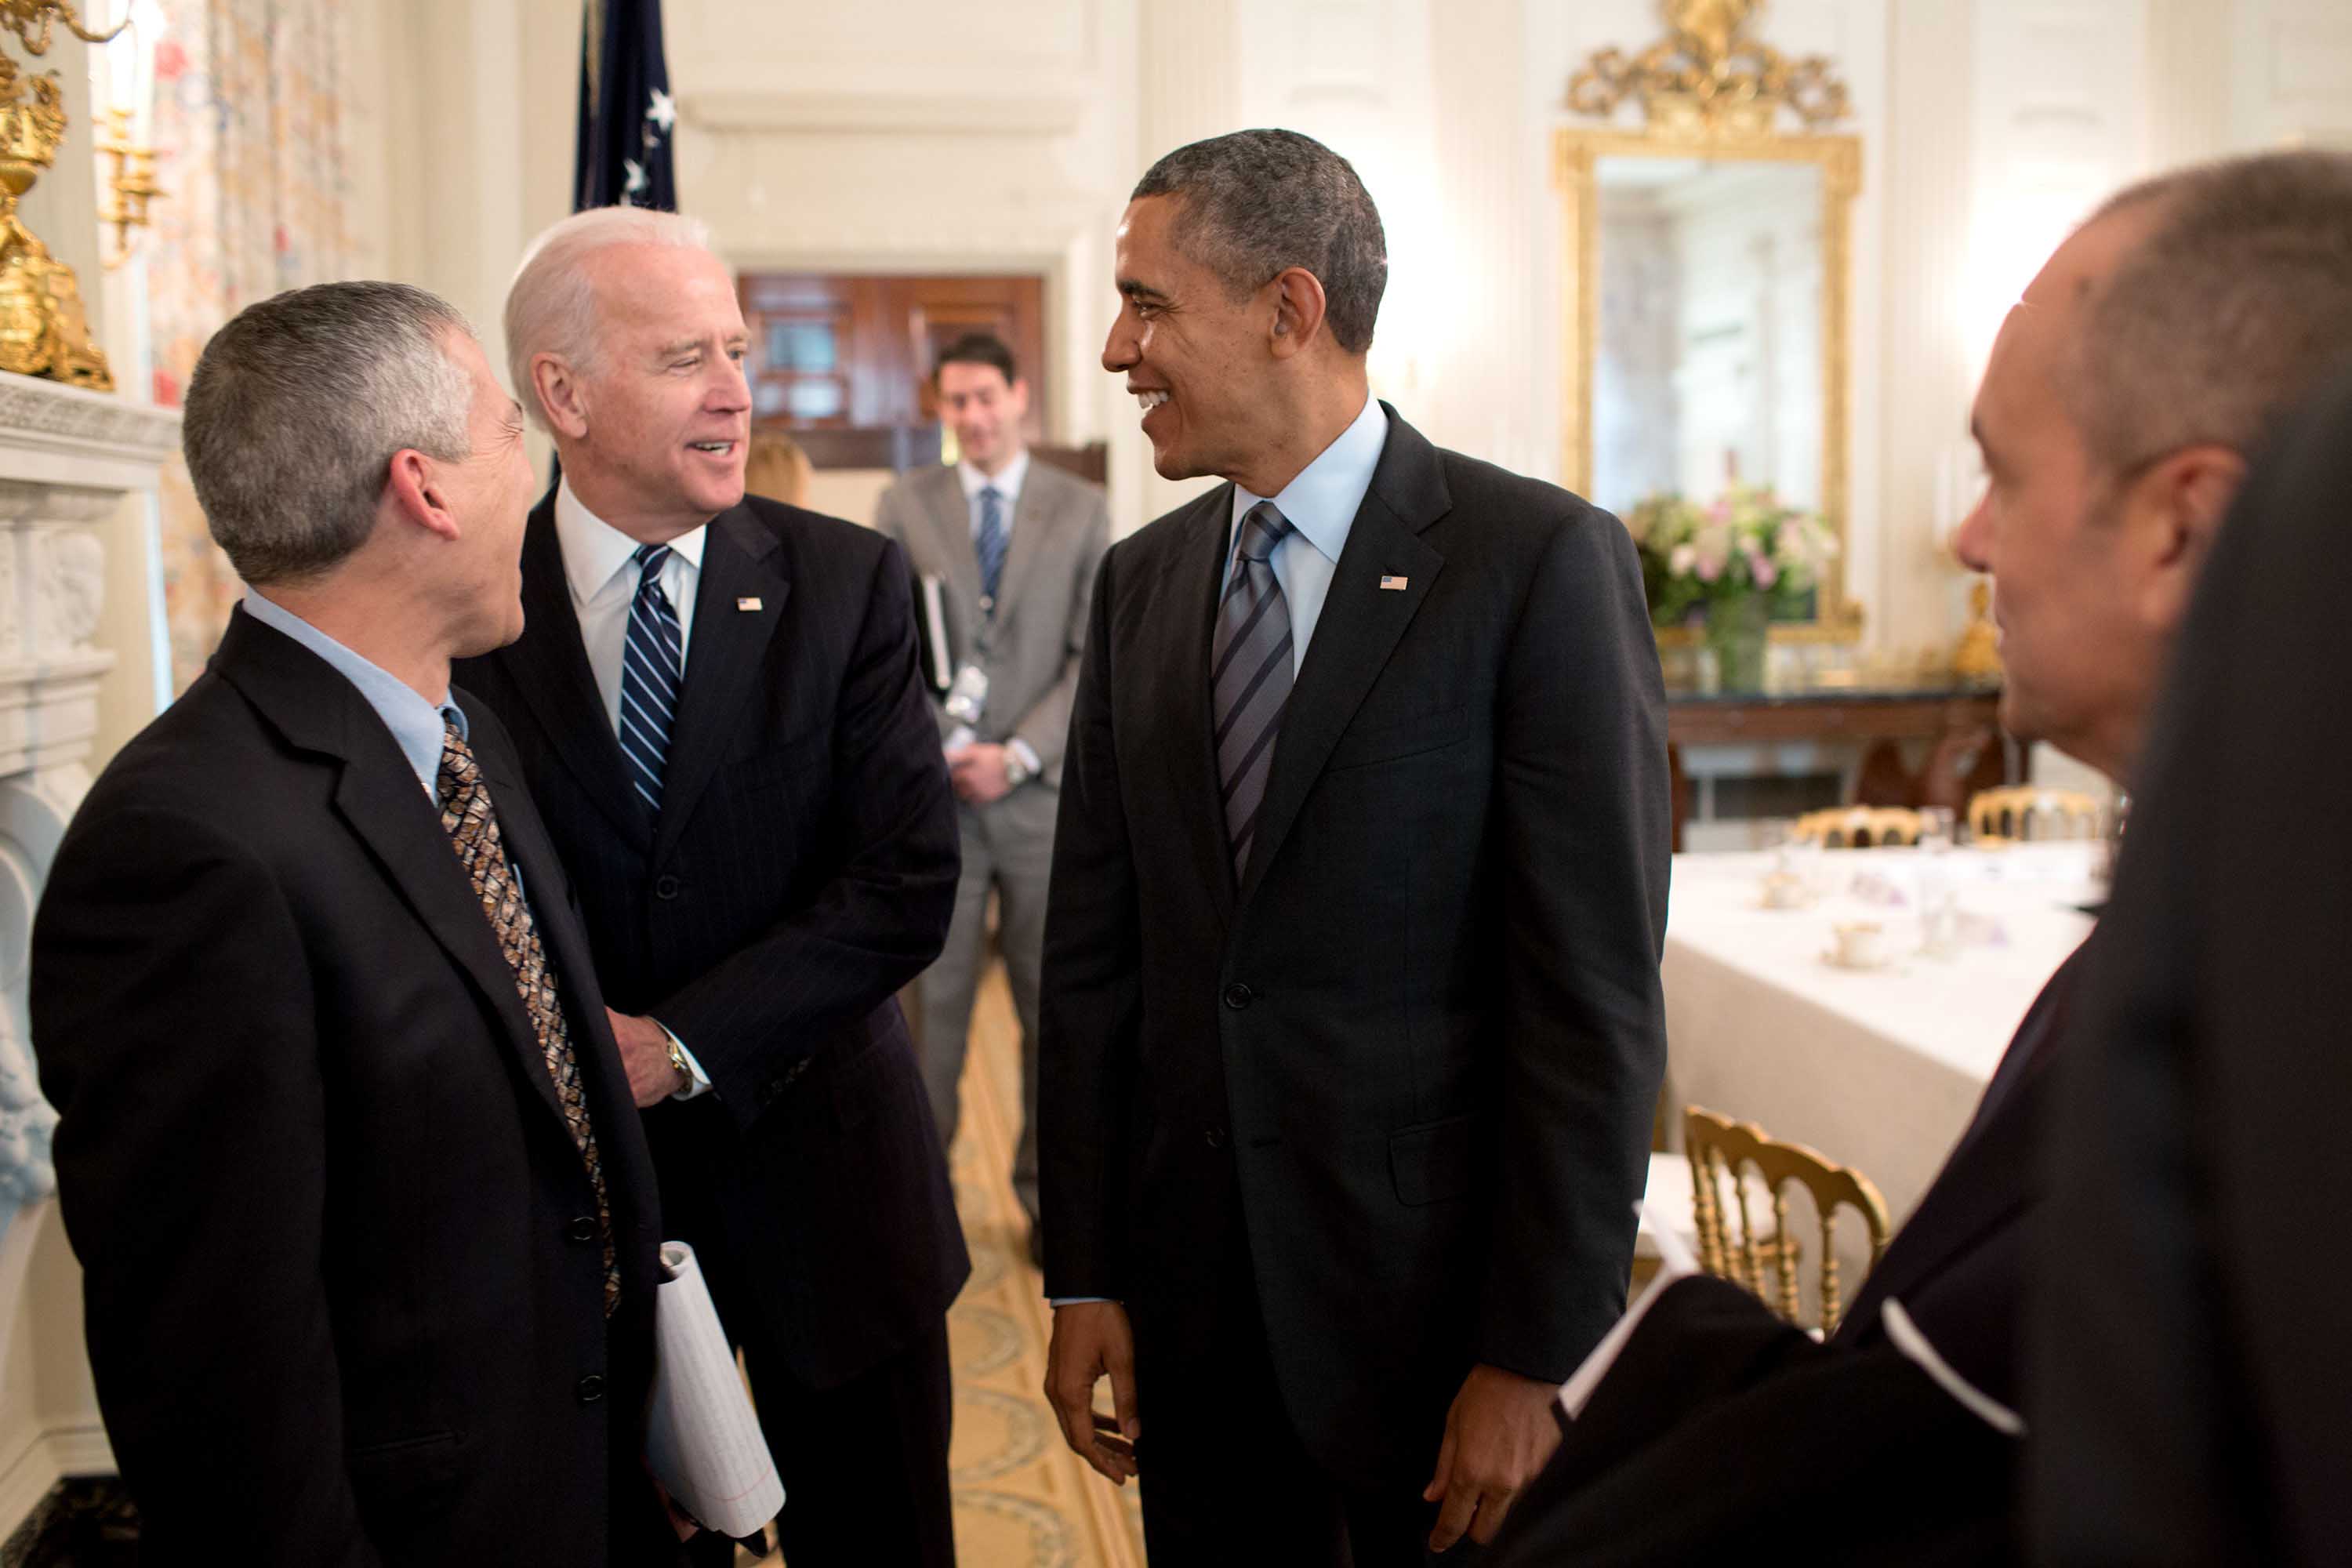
<point x="702" y="1440"/>
<point x="1675" y="1262"/>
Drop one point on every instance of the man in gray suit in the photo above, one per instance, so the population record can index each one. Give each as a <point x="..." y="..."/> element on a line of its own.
<point x="1012" y="546"/>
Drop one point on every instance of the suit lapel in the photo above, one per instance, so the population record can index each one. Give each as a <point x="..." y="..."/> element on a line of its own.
<point x="1359" y="627"/>
<point x="378" y="798"/>
<point x="737" y="609"/>
<point x="1192" y="759"/>
<point x="1033" y="520"/>
<point x="1993" y="1170"/>
<point x="550" y="665"/>
<point x="943" y="499"/>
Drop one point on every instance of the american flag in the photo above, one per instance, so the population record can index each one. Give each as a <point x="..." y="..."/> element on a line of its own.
<point x="626" y="114"/>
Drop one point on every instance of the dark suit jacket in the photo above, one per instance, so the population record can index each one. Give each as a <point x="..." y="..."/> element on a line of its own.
<point x="341" y="1305"/>
<point x="2192" y="1378"/>
<point x="803" y="868"/>
<point x="1827" y="1456"/>
<point x="1421" y="1040"/>
<point x="1718" y="1419"/>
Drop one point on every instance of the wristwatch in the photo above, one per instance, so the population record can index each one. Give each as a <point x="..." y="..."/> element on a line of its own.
<point x="1016" y="771"/>
<point x="678" y="1058"/>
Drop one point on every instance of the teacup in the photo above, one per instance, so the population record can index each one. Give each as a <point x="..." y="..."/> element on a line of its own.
<point x="1862" y="944"/>
<point x="1786" y="891"/>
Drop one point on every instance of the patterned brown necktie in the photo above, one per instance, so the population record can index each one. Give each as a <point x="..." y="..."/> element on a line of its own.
<point x="468" y="817"/>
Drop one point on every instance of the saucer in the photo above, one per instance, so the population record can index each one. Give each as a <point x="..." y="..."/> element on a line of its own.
<point x="1837" y="960"/>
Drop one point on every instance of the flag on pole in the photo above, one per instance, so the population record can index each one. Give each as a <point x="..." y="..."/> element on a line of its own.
<point x="626" y="114"/>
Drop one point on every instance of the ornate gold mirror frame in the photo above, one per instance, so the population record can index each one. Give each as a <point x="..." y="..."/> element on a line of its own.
<point x="1708" y="92"/>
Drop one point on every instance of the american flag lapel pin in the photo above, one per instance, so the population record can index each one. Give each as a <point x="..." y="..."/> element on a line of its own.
<point x="1394" y="584"/>
<point x="750" y="602"/>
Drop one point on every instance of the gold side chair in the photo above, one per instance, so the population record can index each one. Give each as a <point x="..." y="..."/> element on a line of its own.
<point x="1723" y="1154"/>
<point x="1858" y="827"/>
<point x="2022" y="811"/>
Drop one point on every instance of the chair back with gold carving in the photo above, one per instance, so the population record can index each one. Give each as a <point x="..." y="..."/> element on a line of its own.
<point x="1858" y="827"/>
<point x="2022" y="811"/>
<point x="1723" y="1154"/>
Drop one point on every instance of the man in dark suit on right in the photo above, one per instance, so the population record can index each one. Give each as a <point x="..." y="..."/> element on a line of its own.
<point x="2158" y="350"/>
<point x="1353" y="1027"/>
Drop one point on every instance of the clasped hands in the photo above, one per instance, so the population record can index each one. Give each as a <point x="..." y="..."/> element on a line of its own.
<point x="977" y="772"/>
<point x="1499" y="1431"/>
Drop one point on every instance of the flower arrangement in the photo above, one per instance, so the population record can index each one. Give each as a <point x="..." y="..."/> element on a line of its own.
<point x="1745" y="544"/>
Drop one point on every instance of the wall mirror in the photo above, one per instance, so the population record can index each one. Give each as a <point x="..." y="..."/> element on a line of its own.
<point x="1708" y="262"/>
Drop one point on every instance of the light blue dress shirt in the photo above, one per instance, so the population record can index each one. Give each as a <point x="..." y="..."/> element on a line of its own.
<point x="1321" y="504"/>
<point x="417" y="726"/>
<point x="418" y="729"/>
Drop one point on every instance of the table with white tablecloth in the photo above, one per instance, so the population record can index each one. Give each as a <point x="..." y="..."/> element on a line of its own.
<point x="1877" y="1068"/>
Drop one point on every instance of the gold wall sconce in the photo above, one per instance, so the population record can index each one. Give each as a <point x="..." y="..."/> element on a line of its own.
<point x="128" y="189"/>
<point x="43" y="328"/>
<point x="126" y="139"/>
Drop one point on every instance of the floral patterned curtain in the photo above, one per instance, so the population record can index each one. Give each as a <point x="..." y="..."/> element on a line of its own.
<point x="251" y="129"/>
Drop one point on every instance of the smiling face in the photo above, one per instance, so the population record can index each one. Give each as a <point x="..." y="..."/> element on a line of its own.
<point x="664" y="411"/>
<point x="985" y="412"/>
<point x="1196" y="359"/>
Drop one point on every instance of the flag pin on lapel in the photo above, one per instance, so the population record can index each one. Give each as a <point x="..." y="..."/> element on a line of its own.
<point x="1394" y="584"/>
<point x="749" y="602"/>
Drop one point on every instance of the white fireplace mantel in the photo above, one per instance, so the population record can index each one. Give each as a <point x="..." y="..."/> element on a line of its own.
<point x="79" y="471"/>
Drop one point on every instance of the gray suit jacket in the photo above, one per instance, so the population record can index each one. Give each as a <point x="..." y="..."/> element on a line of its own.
<point x="1030" y="648"/>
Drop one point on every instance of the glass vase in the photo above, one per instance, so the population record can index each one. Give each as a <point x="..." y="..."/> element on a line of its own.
<point x="1737" y="630"/>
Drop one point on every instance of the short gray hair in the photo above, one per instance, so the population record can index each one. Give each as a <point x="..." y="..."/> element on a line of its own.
<point x="2231" y="309"/>
<point x="552" y="304"/>
<point x="1258" y="203"/>
<point x="297" y="408"/>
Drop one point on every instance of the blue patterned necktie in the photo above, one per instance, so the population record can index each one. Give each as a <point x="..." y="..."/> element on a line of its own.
<point x="1249" y="674"/>
<point x="990" y="543"/>
<point x="653" y="667"/>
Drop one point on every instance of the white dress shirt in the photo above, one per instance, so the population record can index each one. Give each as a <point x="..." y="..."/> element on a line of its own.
<point x="1321" y="505"/>
<point x="598" y="563"/>
<point x="1006" y="482"/>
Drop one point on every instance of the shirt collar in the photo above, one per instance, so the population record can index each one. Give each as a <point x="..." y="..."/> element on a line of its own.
<point x="417" y="727"/>
<point x="1006" y="482"/>
<point x="595" y="552"/>
<point x="1321" y="503"/>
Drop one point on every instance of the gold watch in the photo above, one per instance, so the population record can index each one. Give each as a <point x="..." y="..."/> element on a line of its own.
<point x="678" y="1058"/>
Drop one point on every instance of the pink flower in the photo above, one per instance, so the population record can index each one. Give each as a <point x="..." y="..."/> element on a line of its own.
<point x="1683" y="558"/>
<point x="1762" y="569"/>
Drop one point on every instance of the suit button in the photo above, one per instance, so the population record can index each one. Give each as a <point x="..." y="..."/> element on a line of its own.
<point x="1213" y="1137"/>
<point x="591" y="1388"/>
<point x="583" y="1229"/>
<point x="1238" y="995"/>
<point x="665" y="888"/>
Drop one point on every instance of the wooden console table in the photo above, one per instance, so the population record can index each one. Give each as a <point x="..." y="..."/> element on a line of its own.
<point x="1948" y="715"/>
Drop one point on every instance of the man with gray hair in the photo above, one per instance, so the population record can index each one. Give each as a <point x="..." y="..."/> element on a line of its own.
<point x="2157" y="353"/>
<point x="719" y="708"/>
<point x="366" y="1221"/>
<point x="1353" y="1027"/>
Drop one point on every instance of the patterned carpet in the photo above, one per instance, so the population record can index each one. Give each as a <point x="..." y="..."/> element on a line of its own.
<point x="1021" y="1498"/>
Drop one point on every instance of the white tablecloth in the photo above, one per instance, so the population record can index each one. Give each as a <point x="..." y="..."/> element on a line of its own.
<point x="1877" y="1069"/>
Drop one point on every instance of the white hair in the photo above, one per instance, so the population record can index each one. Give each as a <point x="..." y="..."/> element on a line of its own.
<point x="552" y="304"/>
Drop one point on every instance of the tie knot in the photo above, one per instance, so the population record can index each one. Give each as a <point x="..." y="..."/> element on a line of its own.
<point x="1263" y="528"/>
<point x="990" y="495"/>
<point x="650" y="559"/>
<point x="458" y="769"/>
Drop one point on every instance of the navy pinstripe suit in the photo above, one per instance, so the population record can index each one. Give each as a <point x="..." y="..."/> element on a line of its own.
<point x="802" y="869"/>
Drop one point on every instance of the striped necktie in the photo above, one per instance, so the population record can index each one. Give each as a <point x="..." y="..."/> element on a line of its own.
<point x="1250" y="674"/>
<point x="471" y="821"/>
<point x="653" y="668"/>
<point x="990" y="545"/>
